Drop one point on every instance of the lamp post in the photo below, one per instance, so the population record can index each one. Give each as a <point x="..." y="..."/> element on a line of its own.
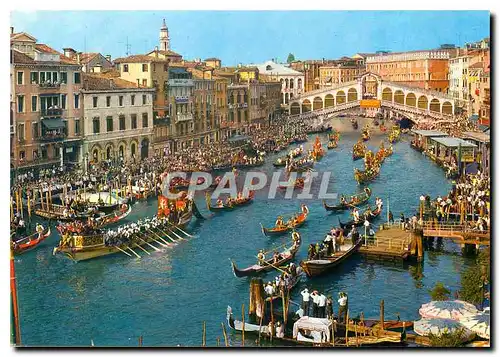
<point x="86" y="162"/>
<point x="366" y="224"/>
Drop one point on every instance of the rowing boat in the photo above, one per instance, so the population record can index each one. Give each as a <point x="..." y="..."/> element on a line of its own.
<point x="354" y="200"/>
<point x="27" y="243"/>
<point x="316" y="267"/>
<point x="369" y="217"/>
<point x="331" y="145"/>
<point x="108" y="219"/>
<point x="301" y="219"/>
<point x="366" y="175"/>
<point x="286" y="256"/>
<point x="224" y="207"/>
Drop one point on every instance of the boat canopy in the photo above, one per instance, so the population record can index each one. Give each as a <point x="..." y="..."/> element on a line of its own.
<point x="320" y="329"/>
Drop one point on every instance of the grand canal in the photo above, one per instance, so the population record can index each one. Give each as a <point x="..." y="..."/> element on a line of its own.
<point x="166" y="296"/>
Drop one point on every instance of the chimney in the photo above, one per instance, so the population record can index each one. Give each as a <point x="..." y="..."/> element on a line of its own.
<point x="239" y="65"/>
<point x="11" y="30"/>
<point x="69" y="52"/>
<point x="78" y="57"/>
<point x="108" y="57"/>
<point x="156" y="51"/>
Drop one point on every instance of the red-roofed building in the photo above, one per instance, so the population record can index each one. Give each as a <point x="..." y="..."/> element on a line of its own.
<point x="92" y="62"/>
<point x="47" y="108"/>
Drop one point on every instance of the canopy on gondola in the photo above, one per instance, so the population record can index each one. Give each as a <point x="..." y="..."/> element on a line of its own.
<point x="455" y="309"/>
<point x="320" y="328"/>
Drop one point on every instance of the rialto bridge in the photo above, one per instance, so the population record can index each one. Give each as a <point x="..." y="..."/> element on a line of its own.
<point x="372" y="93"/>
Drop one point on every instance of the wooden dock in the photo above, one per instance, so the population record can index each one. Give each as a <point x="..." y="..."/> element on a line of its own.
<point x="460" y="233"/>
<point x="390" y="243"/>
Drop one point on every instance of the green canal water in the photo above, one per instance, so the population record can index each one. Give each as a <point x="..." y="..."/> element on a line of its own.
<point x="166" y="296"/>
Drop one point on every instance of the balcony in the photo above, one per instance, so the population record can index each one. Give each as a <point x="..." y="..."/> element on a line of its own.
<point x="48" y="84"/>
<point x="51" y="112"/>
<point x="181" y="117"/>
<point x="52" y="136"/>
<point x="161" y="120"/>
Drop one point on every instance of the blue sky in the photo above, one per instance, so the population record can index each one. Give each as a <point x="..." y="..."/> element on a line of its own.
<point x="254" y="36"/>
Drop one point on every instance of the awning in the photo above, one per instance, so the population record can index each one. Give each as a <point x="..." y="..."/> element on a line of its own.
<point x="474" y="117"/>
<point x="53" y="123"/>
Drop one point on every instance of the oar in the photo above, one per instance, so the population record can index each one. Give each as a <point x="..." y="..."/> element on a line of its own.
<point x="276" y="248"/>
<point x="152" y="246"/>
<point x="273" y="266"/>
<point x="173" y="240"/>
<point x="141" y="248"/>
<point x="160" y="238"/>
<point x="178" y="236"/>
<point x="138" y="256"/>
<point x="182" y="231"/>
<point x="121" y="250"/>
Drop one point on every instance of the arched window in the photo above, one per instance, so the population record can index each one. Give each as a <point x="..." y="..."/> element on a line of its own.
<point x="291" y="83"/>
<point x="299" y="83"/>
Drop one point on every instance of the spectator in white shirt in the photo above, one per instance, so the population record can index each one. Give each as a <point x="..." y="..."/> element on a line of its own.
<point x="305" y="301"/>
<point x="322" y="306"/>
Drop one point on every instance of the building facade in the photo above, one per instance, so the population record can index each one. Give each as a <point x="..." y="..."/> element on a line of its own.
<point x="422" y="69"/>
<point x="118" y="119"/>
<point x="91" y="62"/>
<point x="292" y="81"/>
<point x="458" y="80"/>
<point x="238" y="117"/>
<point x="338" y="73"/>
<point x="47" y="110"/>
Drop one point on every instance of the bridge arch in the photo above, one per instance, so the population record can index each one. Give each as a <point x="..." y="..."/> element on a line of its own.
<point x="447" y="108"/>
<point x="352" y="95"/>
<point x="435" y="105"/>
<point x="399" y="97"/>
<point x="340" y="97"/>
<point x="295" y="108"/>
<point x="387" y="94"/>
<point x="317" y="103"/>
<point x="423" y="102"/>
<point x="329" y="101"/>
<point x="306" y="106"/>
<point x="411" y="100"/>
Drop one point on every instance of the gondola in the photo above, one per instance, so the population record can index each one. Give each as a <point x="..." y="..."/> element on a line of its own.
<point x="27" y="243"/>
<point x="108" y="219"/>
<point x="317" y="267"/>
<point x="294" y="283"/>
<point x="306" y="166"/>
<point x="281" y="161"/>
<point x="365" y="135"/>
<point x="301" y="219"/>
<point x="235" y="204"/>
<point x="355" y="200"/>
<point x="56" y="212"/>
<point x="286" y="256"/>
<point x="331" y="145"/>
<point x="354" y="124"/>
<point x="366" y="176"/>
<point x="362" y="218"/>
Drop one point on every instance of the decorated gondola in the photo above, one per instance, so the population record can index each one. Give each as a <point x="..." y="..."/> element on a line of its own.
<point x="331" y="145"/>
<point x="365" y="135"/>
<point x="284" y="257"/>
<point x="111" y="218"/>
<point x="368" y="215"/>
<point x="363" y="176"/>
<point x="394" y="134"/>
<point x="358" y="150"/>
<point x="353" y="201"/>
<point x="281" y="161"/>
<point x="22" y="245"/>
<point x="232" y="205"/>
<point x="62" y="213"/>
<point x="294" y="222"/>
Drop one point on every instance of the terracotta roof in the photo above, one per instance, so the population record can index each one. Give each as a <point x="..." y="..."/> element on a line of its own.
<point x="212" y="59"/>
<point x="138" y="59"/>
<point x="165" y="53"/>
<point x="86" y="57"/>
<point x="477" y="65"/>
<point x="13" y="36"/>
<point x="19" y="57"/>
<point x="47" y="49"/>
<point x="99" y="82"/>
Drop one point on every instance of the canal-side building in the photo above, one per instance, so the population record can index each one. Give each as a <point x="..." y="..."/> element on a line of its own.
<point x="238" y="118"/>
<point x="340" y="71"/>
<point x="90" y="61"/>
<point x="458" y="80"/>
<point x="292" y="81"/>
<point x="118" y="119"/>
<point x="204" y="105"/>
<point x="48" y="110"/>
<point x="426" y="69"/>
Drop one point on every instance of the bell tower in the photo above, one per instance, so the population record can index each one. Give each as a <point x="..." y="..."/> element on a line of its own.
<point x="164" y="38"/>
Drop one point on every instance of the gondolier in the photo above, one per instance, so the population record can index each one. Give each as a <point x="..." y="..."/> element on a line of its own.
<point x="305" y="209"/>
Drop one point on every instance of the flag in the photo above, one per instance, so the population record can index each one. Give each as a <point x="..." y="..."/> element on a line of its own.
<point x="163" y="209"/>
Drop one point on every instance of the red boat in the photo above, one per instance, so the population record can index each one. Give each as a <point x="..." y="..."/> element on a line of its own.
<point x="27" y="243"/>
<point x="113" y="217"/>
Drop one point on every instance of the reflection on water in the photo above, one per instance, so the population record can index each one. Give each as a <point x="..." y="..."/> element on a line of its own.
<point x="166" y="296"/>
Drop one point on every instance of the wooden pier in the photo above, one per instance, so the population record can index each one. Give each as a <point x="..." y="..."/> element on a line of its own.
<point x="391" y="242"/>
<point x="460" y="233"/>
